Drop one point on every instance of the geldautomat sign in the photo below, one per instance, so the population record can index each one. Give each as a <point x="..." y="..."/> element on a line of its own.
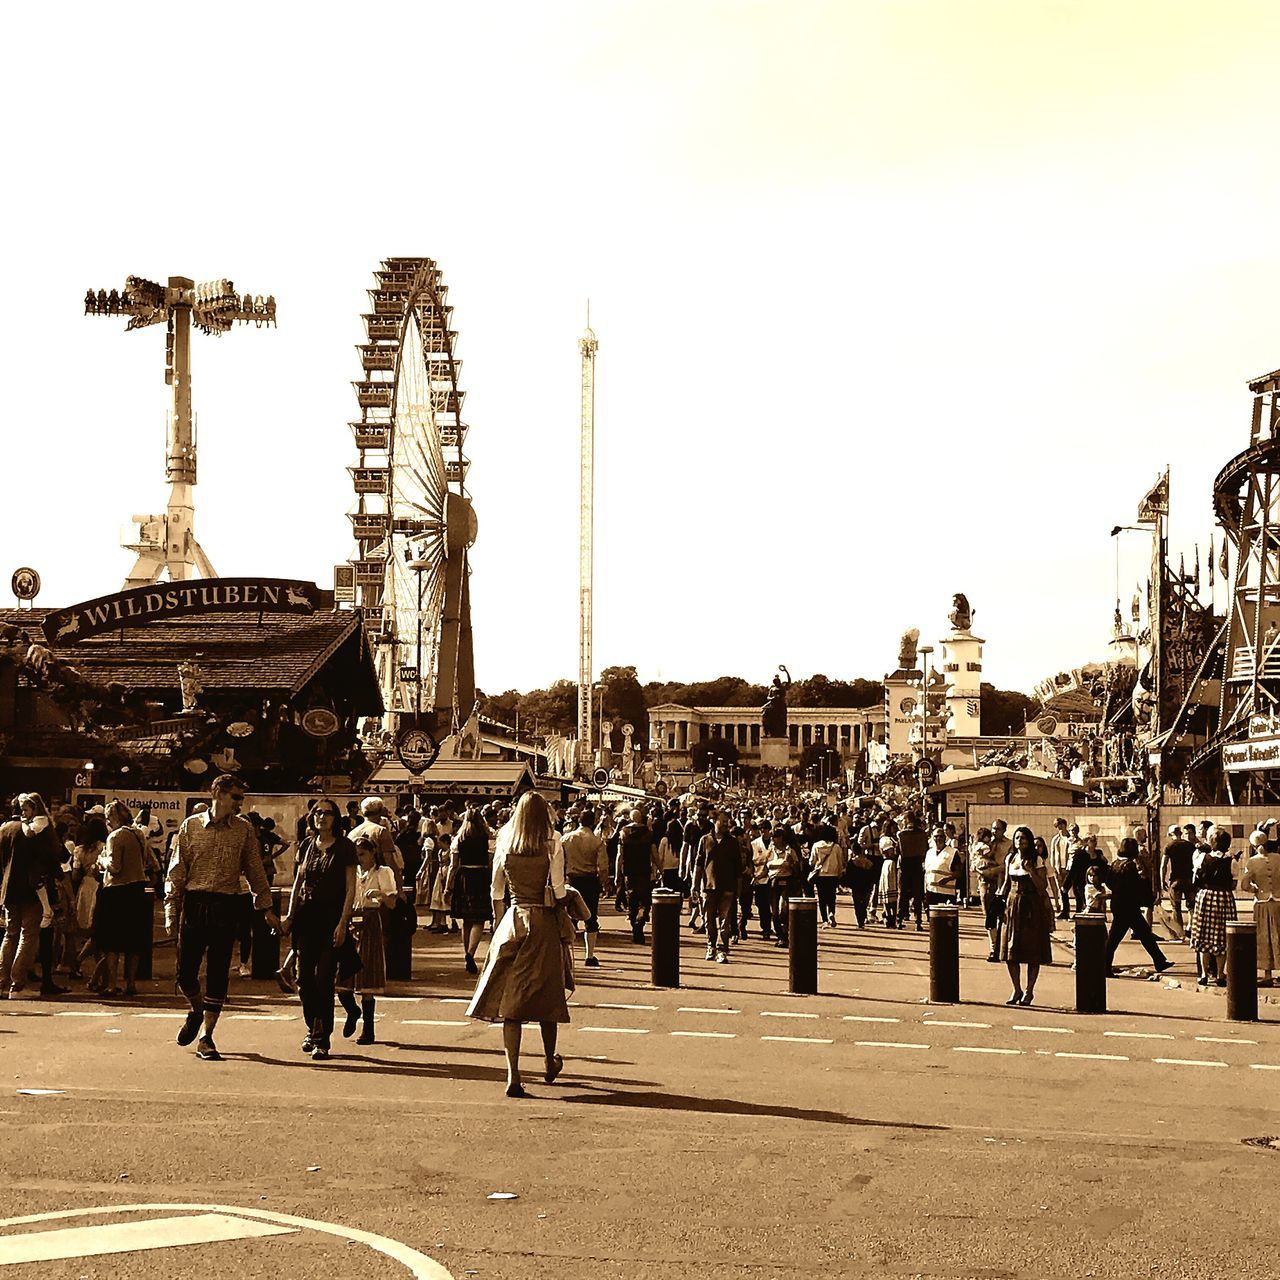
<point x="166" y="600"/>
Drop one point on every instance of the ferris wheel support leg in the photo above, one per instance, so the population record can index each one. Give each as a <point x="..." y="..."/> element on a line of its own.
<point x="466" y="654"/>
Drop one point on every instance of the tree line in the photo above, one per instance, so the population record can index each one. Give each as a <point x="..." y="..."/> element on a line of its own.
<point x="626" y="701"/>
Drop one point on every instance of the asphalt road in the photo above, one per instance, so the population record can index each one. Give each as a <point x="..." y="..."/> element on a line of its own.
<point x="726" y="1129"/>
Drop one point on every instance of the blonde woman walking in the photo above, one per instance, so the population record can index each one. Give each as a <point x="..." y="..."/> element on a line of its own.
<point x="524" y="972"/>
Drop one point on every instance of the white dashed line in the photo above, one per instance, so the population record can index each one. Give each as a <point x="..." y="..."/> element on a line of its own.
<point x="1055" y="1031"/>
<point x="1264" y="1066"/>
<point x="938" y="1022"/>
<point x="692" y="1009"/>
<point x="434" y="1022"/>
<point x="454" y="999"/>
<point x="769" y="1013"/>
<point x="645" y="1008"/>
<point x="261" y="1017"/>
<point x="84" y="1013"/>
<point x="884" y="964"/>
<point x="399" y="999"/>
<point x="619" y="1031"/>
<point x="969" y="1048"/>
<point x="1223" y="1040"/>
<point x="797" y="1040"/>
<point x="888" y="1044"/>
<point x="860" y="1017"/>
<point x="708" y="1035"/>
<point x="1138" y="1035"/>
<point x="1189" y="1062"/>
<point x="181" y="1017"/>
<point x="1095" y="1057"/>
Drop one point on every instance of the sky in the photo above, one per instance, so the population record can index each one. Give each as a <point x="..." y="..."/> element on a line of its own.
<point x="894" y="301"/>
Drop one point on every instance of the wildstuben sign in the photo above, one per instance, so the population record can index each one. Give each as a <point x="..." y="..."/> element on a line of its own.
<point x="144" y="605"/>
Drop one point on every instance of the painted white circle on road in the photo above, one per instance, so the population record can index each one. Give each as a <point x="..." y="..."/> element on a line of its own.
<point x="215" y="1222"/>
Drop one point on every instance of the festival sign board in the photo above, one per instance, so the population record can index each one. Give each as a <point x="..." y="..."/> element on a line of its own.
<point x="417" y="749"/>
<point x="166" y="600"/>
<point x="1256" y="754"/>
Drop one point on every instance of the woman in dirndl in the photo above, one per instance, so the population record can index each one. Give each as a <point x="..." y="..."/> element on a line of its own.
<point x="1028" y="915"/>
<point x="524" y="972"/>
<point x="375" y="894"/>
<point x="467" y="887"/>
<point x="1262" y="876"/>
<point x="1215" y="905"/>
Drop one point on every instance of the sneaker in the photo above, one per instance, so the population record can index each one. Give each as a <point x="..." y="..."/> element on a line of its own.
<point x="592" y="962"/>
<point x="190" y="1027"/>
<point x="244" y="971"/>
<point x="711" y="953"/>
<point x="320" y="1053"/>
<point x="307" y="1044"/>
<point x="207" y="1050"/>
<point x="722" y="957"/>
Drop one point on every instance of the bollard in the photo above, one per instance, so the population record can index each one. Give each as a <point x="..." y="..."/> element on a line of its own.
<point x="1091" y="962"/>
<point x="264" y="958"/>
<point x="664" y="937"/>
<point x="802" y="946"/>
<point x="399" y="924"/>
<point x="1242" y="971"/>
<point x="944" y="955"/>
<point x="146" y="933"/>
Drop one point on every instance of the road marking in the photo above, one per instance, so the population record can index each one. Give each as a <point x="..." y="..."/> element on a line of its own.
<point x="888" y="1044"/>
<point x="1223" y="1040"/>
<point x="1189" y="1062"/>
<point x="1138" y="1035"/>
<point x="644" y="1008"/>
<point x="1095" y="1057"/>
<point x="709" y="1035"/>
<point x="84" y="1013"/>
<point x="399" y="999"/>
<point x="938" y="1022"/>
<point x="693" y="1009"/>
<point x="1051" y="1030"/>
<point x="1263" y="1066"/>
<point x="434" y="1022"/>
<point x="181" y="1017"/>
<point x="883" y="964"/>
<point x="455" y="999"/>
<point x="769" y="1013"/>
<point x="968" y="1048"/>
<point x="127" y="1237"/>
<point x="418" y="1264"/>
<point x="262" y="1017"/>
<point x="860" y="1017"/>
<point x="619" y="1031"/>
<point x="797" y="1040"/>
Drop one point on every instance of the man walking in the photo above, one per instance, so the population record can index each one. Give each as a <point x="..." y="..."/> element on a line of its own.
<point x="913" y="844"/>
<point x="718" y="870"/>
<point x="214" y="849"/>
<point x="586" y="865"/>
<point x="637" y="865"/>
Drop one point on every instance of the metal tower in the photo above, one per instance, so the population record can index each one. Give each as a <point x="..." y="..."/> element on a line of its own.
<point x="168" y="542"/>
<point x="587" y="345"/>
<point x="1230" y="716"/>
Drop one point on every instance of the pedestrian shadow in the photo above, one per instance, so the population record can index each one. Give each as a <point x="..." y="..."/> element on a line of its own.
<point x="650" y="1100"/>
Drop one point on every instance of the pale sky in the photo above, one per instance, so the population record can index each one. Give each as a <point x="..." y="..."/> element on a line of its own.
<point x="893" y="301"/>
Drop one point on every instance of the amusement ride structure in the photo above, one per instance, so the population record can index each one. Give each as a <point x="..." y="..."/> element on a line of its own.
<point x="167" y="543"/>
<point x="1225" y="739"/>
<point x="587" y="346"/>
<point x="413" y="522"/>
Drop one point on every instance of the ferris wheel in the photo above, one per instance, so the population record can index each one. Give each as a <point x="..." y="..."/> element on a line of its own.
<point x="413" y="522"/>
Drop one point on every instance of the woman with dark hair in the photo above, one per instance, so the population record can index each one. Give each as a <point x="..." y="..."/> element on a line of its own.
<point x="1215" y="905"/>
<point x="324" y="890"/>
<point x="28" y="848"/>
<point x="1028" y="915"/>
<point x="784" y="868"/>
<point x="524" y="973"/>
<point x="1130" y="895"/>
<point x="467" y="886"/>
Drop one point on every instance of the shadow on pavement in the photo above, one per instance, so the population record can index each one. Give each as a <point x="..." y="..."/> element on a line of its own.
<point x="736" y="1107"/>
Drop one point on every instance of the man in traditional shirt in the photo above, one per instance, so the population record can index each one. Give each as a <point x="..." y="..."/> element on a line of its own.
<point x="214" y="849"/>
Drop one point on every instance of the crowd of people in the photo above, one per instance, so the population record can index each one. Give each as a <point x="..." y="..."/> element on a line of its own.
<point x="73" y="889"/>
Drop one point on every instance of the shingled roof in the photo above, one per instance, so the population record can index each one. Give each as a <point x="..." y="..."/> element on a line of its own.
<point x="271" y="653"/>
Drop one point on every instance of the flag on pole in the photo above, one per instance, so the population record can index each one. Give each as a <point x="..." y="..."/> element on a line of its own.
<point x="1209" y="564"/>
<point x="1224" y="566"/>
<point x="1156" y="502"/>
<point x="1137" y="608"/>
<point x="1196" y="581"/>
